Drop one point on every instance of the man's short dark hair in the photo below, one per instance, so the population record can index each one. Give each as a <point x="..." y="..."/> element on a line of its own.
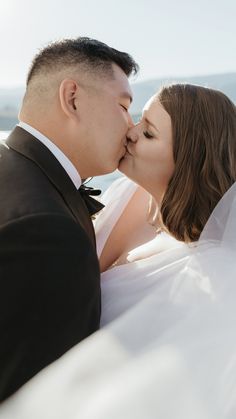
<point x="93" y="55"/>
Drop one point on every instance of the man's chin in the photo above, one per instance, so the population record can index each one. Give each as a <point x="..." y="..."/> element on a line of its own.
<point x="121" y="164"/>
<point x="120" y="167"/>
<point x="108" y="171"/>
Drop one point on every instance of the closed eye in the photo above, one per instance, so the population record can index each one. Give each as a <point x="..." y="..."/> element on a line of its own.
<point x="147" y="135"/>
<point x="126" y="109"/>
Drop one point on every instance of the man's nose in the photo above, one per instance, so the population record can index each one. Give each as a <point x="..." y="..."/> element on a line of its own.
<point x="130" y="121"/>
<point x="132" y="134"/>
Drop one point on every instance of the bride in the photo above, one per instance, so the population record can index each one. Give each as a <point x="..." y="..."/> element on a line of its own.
<point x="180" y="161"/>
<point x="166" y="243"/>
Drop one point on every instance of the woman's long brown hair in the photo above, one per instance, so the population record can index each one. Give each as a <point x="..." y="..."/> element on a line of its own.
<point x="204" y="149"/>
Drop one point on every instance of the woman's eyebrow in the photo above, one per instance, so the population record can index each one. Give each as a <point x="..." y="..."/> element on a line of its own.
<point x="150" y="123"/>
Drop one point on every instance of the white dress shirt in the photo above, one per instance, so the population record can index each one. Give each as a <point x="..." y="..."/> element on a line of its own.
<point x="60" y="156"/>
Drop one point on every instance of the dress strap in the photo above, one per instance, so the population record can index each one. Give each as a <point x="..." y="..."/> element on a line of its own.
<point x="115" y="199"/>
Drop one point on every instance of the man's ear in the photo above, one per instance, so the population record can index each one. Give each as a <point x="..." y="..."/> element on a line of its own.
<point x="68" y="93"/>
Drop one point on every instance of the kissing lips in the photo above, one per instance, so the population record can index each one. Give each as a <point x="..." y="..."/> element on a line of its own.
<point x="126" y="154"/>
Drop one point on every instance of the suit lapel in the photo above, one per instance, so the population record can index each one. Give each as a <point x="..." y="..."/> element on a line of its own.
<point x="30" y="147"/>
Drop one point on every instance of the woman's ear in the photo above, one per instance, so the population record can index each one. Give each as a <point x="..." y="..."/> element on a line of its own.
<point x="68" y="93"/>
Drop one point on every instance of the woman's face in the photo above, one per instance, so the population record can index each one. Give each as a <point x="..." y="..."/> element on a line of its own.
<point x="149" y="158"/>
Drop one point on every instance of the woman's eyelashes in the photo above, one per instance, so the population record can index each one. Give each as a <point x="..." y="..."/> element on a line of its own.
<point x="147" y="134"/>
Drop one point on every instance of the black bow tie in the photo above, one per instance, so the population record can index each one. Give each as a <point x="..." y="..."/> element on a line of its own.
<point x="92" y="204"/>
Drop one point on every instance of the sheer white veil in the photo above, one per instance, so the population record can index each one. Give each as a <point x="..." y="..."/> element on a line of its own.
<point x="171" y="360"/>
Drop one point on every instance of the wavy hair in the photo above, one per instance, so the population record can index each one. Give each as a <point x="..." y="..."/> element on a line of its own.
<point x="204" y="150"/>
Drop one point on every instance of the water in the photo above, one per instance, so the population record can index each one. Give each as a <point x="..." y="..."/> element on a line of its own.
<point x="3" y="134"/>
<point x="101" y="182"/>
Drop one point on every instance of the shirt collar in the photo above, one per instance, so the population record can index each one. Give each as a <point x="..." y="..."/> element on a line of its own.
<point x="60" y="156"/>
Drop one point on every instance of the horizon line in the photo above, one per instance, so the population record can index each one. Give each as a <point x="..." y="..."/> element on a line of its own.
<point x="166" y="77"/>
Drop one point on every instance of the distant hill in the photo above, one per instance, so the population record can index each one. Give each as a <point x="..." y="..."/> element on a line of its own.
<point x="144" y="90"/>
<point x="10" y="99"/>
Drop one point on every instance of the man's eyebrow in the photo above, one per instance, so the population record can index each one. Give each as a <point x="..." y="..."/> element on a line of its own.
<point x="126" y="95"/>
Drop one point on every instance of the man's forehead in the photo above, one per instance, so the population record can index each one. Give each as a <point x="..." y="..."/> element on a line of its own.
<point x="117" y="85"/>
<point x="121" y="82"/>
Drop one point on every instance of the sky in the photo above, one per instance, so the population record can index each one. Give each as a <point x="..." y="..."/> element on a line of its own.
<point x="166" y="38"/>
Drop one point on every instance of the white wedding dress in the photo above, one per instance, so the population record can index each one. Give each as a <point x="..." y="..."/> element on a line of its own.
<point x="167" y="348"/>
<point x="125" y="285"/>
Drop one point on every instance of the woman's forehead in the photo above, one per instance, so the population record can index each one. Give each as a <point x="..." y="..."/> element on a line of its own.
<point x="152" y="101"/>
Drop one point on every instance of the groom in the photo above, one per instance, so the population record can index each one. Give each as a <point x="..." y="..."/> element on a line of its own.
<point x="73" y="125"/>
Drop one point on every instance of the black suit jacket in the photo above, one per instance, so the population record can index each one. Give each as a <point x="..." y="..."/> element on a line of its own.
<point x="49" y="271"/>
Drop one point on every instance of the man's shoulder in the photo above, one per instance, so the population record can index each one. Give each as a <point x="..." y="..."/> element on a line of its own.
<point x="25" y="190"/>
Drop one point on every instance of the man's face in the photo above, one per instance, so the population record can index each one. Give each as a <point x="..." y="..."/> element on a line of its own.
<point x="103" y="122"/>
